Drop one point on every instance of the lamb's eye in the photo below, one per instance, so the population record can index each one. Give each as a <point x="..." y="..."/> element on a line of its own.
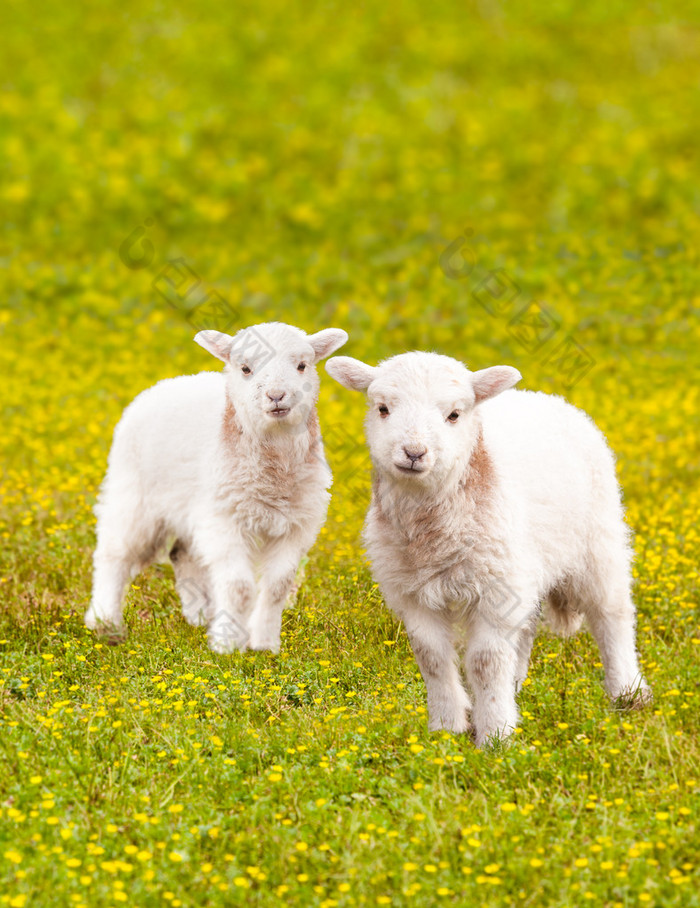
<point x="245" y="370"/>
<point x="453" y="417"/>
<point x="301" y="367"/>
<point x="383" y="411"/>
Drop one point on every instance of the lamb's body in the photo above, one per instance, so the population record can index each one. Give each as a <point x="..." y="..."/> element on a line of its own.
<point x="235" y="498"/>
<point x="539" y="483"/>
<point x="176" y="444"/>
<point x="530" y="510"/>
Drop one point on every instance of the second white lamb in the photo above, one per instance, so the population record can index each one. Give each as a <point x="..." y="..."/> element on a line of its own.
<point x="485" y="503"/>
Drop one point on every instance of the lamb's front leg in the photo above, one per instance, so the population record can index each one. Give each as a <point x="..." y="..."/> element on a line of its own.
<point x="233" y="594"/>
<point x="277" y="583"/>
<point x="431" y="637"/>
<point x="491" y="662"/>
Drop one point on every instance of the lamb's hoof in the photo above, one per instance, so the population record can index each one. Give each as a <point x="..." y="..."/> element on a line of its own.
<point x="264" y="644"/>
<point x="111" y="632"/>
<point x="457" y="725"/>
<point x="634" y="698"/>
<point x="226" y="636"/>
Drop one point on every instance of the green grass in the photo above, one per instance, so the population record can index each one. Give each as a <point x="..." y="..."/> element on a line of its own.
<point x="312" y="163"/>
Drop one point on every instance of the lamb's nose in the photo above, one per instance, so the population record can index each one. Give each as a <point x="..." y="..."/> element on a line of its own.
<point x="276" y="396"/>
<point x="415" y="453"/>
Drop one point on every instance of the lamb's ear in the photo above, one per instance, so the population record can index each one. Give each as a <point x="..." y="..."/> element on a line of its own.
<point x="327" y="341"/>
<point x="351" y="373"/>
<point x="216" y="343"/>
<point x="490" y="382"/>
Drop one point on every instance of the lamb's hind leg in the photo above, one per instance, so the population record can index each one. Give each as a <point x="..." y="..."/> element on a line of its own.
<point x="123" y="550"/>
<point x="192" y="585"/>
<point x="111" y="573"/>
<point x="604" y="599"/>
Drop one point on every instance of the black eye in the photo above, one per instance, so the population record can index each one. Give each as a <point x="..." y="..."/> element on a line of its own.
<point x="453" y="417"/>
<point x="301" y="367"/>
<point x="245" y="370"/>
<point x="383" y="410"/>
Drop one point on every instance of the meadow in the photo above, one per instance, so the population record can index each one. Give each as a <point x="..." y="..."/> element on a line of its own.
<point x="505" y="186"/>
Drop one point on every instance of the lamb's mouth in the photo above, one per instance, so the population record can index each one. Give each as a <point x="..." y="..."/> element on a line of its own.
<point x="410" y="471"/>
<point x="279" y="412"/>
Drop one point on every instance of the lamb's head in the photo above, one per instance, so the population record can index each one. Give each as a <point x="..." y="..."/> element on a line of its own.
<point x="422" y="420"/>
<point x="271" y="372"/>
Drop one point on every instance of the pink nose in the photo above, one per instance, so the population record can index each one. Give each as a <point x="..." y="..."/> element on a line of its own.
<point x="415" y="453"/>
<point x="276" y="396"/>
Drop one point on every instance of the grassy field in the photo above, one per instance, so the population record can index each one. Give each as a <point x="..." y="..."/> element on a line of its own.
<point x="518" y="187"/>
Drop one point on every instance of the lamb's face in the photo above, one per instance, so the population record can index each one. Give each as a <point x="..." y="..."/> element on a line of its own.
<point x="271" y="373"/>
<point x="272" y="377"/>
<point x="419" y="423"/>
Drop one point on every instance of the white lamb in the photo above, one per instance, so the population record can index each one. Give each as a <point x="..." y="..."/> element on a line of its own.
<point x="226" y="471"/>
<point x="480" y="509"/>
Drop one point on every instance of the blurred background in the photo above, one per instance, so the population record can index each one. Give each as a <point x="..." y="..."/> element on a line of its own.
<point x="500" y="184"/>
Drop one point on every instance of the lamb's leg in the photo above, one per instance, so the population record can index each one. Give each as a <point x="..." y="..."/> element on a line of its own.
<point x="233" y="596"/>
<point x="611" y="618"/>
<point x="431" y="637"/>
<point x="111" y="574"/>
<point x="278" y="583"/>
<point x="123" y="550"/>
<point x="492" y="662"/>
<point x="192" y="585"/>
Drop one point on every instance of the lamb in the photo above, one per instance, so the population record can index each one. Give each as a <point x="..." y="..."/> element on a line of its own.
<point x="485" y="502"/>
<point x="226" y="472"/>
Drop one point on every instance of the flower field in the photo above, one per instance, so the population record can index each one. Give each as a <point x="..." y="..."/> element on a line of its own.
<point x="505" y="187"/>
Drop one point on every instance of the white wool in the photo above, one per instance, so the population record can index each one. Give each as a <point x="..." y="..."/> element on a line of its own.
<point x="226" y="471"/>
<point x="485" y="502"/>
